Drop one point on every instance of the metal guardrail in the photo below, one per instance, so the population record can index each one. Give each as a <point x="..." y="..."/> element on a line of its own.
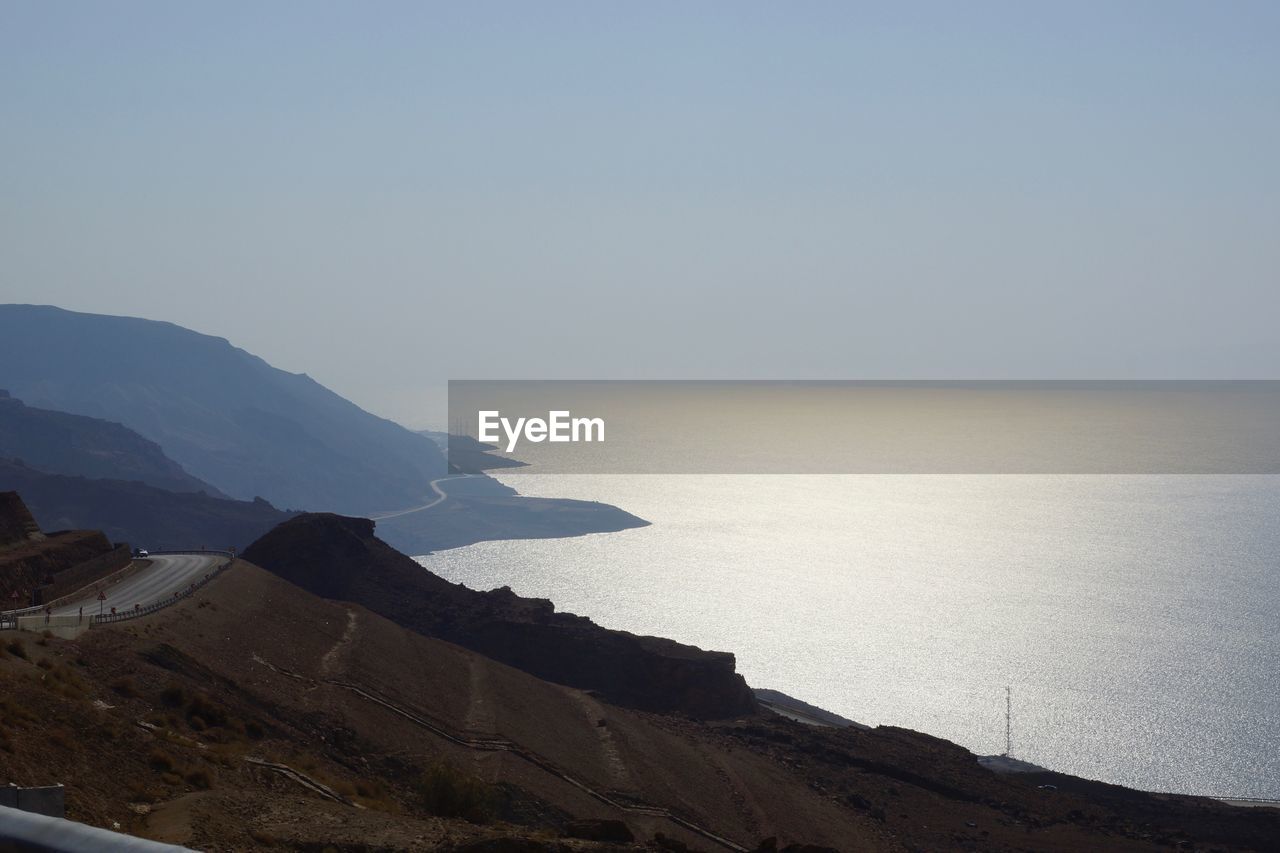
<point x="137" y="612"/>
<point x="26" y="832"/>
<point x="130" y="568"/>
<point x="109" y="578"/>
<point x="9" y="619"/>
<point x="13" y="614"/>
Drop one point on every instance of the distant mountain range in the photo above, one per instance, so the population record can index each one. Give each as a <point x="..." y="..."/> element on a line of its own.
<point x="120" y="424"/>
<point x="134" y="512"/>
<point x="61" y="443"/>
<point x="81" y="473"/>
<point x="226" y="416"/>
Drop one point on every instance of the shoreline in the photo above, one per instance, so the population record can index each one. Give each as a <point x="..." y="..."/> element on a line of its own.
<point x="474" y="508"/>
<point x="1098" y="766"/>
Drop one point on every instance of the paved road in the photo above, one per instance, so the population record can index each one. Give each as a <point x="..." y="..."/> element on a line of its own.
<point x="167" y="574"/>
<point x="440" y="495"/>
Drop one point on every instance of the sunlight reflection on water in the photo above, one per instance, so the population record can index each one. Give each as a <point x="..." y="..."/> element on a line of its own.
<point x="1134" y="616"/>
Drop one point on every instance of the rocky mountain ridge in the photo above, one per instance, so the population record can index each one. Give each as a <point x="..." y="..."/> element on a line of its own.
<point x="340" y="558"/>
<point x="228" y="417"/>
<point x="135" y="512"/>
<point x="61" y="443"/>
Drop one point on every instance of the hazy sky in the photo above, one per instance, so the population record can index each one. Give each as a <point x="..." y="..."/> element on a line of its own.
<point x="387" y="195"/>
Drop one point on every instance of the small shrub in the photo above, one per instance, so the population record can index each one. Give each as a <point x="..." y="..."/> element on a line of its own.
<point x="202" y="711"/>
<point x="125" y="687"/>
<point x="262" y="838"/>
<point x="142" y="793"/>
<point x="17" y="649"/>
<point x="160" y="760"/>
<point x="62" y="680"/>
<point x="227" y="755"/>
<point x="173" y="696"/>
<point x="11" y="712"/>
<point x="445" y="791"/>
<point x="200" y="778"/>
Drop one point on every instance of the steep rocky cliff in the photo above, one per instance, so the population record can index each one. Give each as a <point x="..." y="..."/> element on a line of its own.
<point x="340" y="558"/>
<point x="35" y="567"/>
<point x="16" y="522"/>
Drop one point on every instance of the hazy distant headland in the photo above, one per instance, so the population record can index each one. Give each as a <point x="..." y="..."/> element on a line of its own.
<point x="119" y="399"/>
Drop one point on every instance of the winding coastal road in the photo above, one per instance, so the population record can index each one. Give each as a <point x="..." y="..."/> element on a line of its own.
<point x="167" y="574"/>
<point x="440" y="495"/>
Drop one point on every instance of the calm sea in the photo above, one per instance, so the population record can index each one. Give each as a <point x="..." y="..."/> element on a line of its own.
<point x="1137" y="619"/>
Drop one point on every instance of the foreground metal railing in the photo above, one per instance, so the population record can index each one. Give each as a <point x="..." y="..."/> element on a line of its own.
<point x="26" y="832"/>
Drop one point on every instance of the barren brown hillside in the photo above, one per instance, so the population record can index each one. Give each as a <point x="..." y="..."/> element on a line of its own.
<point x="256" y="715"/>
<point x="340" y="558"/>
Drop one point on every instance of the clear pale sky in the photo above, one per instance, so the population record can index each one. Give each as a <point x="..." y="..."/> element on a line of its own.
<point x="387" y="195"/>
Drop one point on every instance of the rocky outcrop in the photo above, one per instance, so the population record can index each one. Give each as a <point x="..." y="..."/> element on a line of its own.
<point x="340" y="558"/>
<point x="16" y="522"/>
<point x="35" y="567"/>
<point x="31" y="571"/>
<point x="84" y="574"/>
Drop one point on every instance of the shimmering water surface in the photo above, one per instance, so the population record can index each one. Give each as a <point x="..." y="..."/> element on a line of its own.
<point x="1136" y="618"/>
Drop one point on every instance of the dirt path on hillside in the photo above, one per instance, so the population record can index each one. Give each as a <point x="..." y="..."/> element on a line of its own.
<point x="744" y="803"/>
<point x="329" y="664"/>
<point x="619" y="777"/>
<point x="479" y="718"/>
